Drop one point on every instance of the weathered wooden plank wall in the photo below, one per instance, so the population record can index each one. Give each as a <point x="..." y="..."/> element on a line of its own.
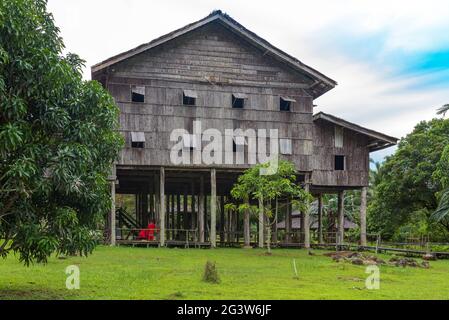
<point x="356" y="157"/>
<point x="216" y="64"/>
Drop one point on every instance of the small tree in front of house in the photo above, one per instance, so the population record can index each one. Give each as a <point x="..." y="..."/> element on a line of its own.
<point x="268" y="189"/>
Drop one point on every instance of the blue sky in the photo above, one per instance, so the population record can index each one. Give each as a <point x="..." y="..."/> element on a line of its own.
<point x="390" y="58"/>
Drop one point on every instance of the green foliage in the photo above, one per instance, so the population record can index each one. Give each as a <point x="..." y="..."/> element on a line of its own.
<point x="409" y="183"/>
<point x="57" y="139"/>
<point x="253" y="185"/>
<point x="441" y="214"/>
<point x="442" y="110"/>
<point x="266" y="189"/>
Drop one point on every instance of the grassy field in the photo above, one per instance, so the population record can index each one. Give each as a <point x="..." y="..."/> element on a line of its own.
<point x="141" y="273"/>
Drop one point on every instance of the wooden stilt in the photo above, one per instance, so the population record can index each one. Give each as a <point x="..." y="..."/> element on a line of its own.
<point x="178" y="215"/>
<point x="229" y="226"/>
<point x="222" y="220"/>
<point x="288" y="221"/>
<point x="206" y="218"/>
<point x="363" y="216"/>
<point x="152" y="215"/>
<point x="157" y="199"/>
<point x="201" y="210"/>
<point x="185" y="219"/>
<point x="145" y="215"/>
<point x="193" y="205"/>
<point x="320" y="218"/>
<point x="341" y="217"/>
<point x="162" y="206"/>
<point x="306" y="218"/>
<point x="112" y="214"/>
<point x="213" y="208"/>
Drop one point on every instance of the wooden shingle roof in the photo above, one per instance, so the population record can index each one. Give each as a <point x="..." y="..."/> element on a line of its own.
<point x="321" y="85"/>
<point x="378" y="140"/>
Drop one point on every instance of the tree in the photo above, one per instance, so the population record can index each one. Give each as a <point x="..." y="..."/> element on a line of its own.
<point x="406" y="190"/>
<point x="267" y="190"/>
<point x="441" y="174"/>
<point x="58" y="140"/>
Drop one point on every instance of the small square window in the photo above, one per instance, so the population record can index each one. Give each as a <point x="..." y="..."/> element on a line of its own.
<point x="137" y="140"/>
<point x="339" y="163"/>
<point x="137" y="94"/>
<point x="238" y="101"/>
<point x="138" y="145"/>
<point x="285" y="103"/>
<point x="238" y="143"/>
<point x="285" y="146"/>
<point x="190" y="142"/>
<point x="338" y="137"/>
<point x="189" y="97"/>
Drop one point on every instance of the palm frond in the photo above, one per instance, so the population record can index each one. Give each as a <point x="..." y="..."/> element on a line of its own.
<point x="442" y="110"/>
<point x="442" y="211"/>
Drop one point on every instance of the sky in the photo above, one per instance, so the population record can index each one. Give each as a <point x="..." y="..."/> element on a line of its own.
<point x="390" y="58"/>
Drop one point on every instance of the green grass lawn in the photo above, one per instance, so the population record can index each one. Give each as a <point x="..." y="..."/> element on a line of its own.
<point x="141" y="273"/>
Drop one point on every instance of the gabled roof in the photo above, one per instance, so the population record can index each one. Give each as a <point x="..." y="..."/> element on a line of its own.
<point x="378" y="140"/>
<point x="322" y="82"/>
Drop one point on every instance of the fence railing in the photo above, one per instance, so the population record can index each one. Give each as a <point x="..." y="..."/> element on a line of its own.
<point x="280" y="237"/>
<point x="143" y="234"/>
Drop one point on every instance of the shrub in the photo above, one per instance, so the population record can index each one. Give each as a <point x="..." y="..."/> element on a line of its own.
<point x="210" y="273"/>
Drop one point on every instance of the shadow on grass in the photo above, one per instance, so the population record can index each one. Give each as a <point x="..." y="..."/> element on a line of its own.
<point x="36" y="294"/>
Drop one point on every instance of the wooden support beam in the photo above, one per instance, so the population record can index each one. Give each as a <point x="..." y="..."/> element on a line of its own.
<point x="229" y="226"/>
<point x="185" y="219"/>
<point x="363" y="216"/>
<point x="222" y="219"/>
<point x="185" y="201"/>
<point x="146" y="217"/>
<point x="152" y="215"/>
<point x="192" y="216"/>
<point x="162" y="207"/>
<point x="173" y="221"/>
<point x="341" y="217"/>
<point x="167" y="216"/>
<point x="206" y="216"/>
<point x="301" y="227"/>
<point x="288" y="221"/>
<point x="137" y="208"/>
<point x="157" y="200"/>
<point x="276" y="212"/>
<point x="112" y="214"/>
<point x="306" y="217"/>
<point x="178" y="215"/>
<point x="201" y="210"/>
<point x="213" y="208"/>
<point x="261" y="223"/>
<point x="320" y="218"/>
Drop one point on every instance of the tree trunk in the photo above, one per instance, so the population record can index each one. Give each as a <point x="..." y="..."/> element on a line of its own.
<point x="268" y="229"/>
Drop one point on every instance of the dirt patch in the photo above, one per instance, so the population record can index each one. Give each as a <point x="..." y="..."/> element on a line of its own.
<point x="408" y="262"/>
<point x="35" y="294"/>
<point x="358" y="258"/>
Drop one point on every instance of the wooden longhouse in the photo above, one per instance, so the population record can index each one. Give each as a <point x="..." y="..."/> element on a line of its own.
<point x="219" y="73"/>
